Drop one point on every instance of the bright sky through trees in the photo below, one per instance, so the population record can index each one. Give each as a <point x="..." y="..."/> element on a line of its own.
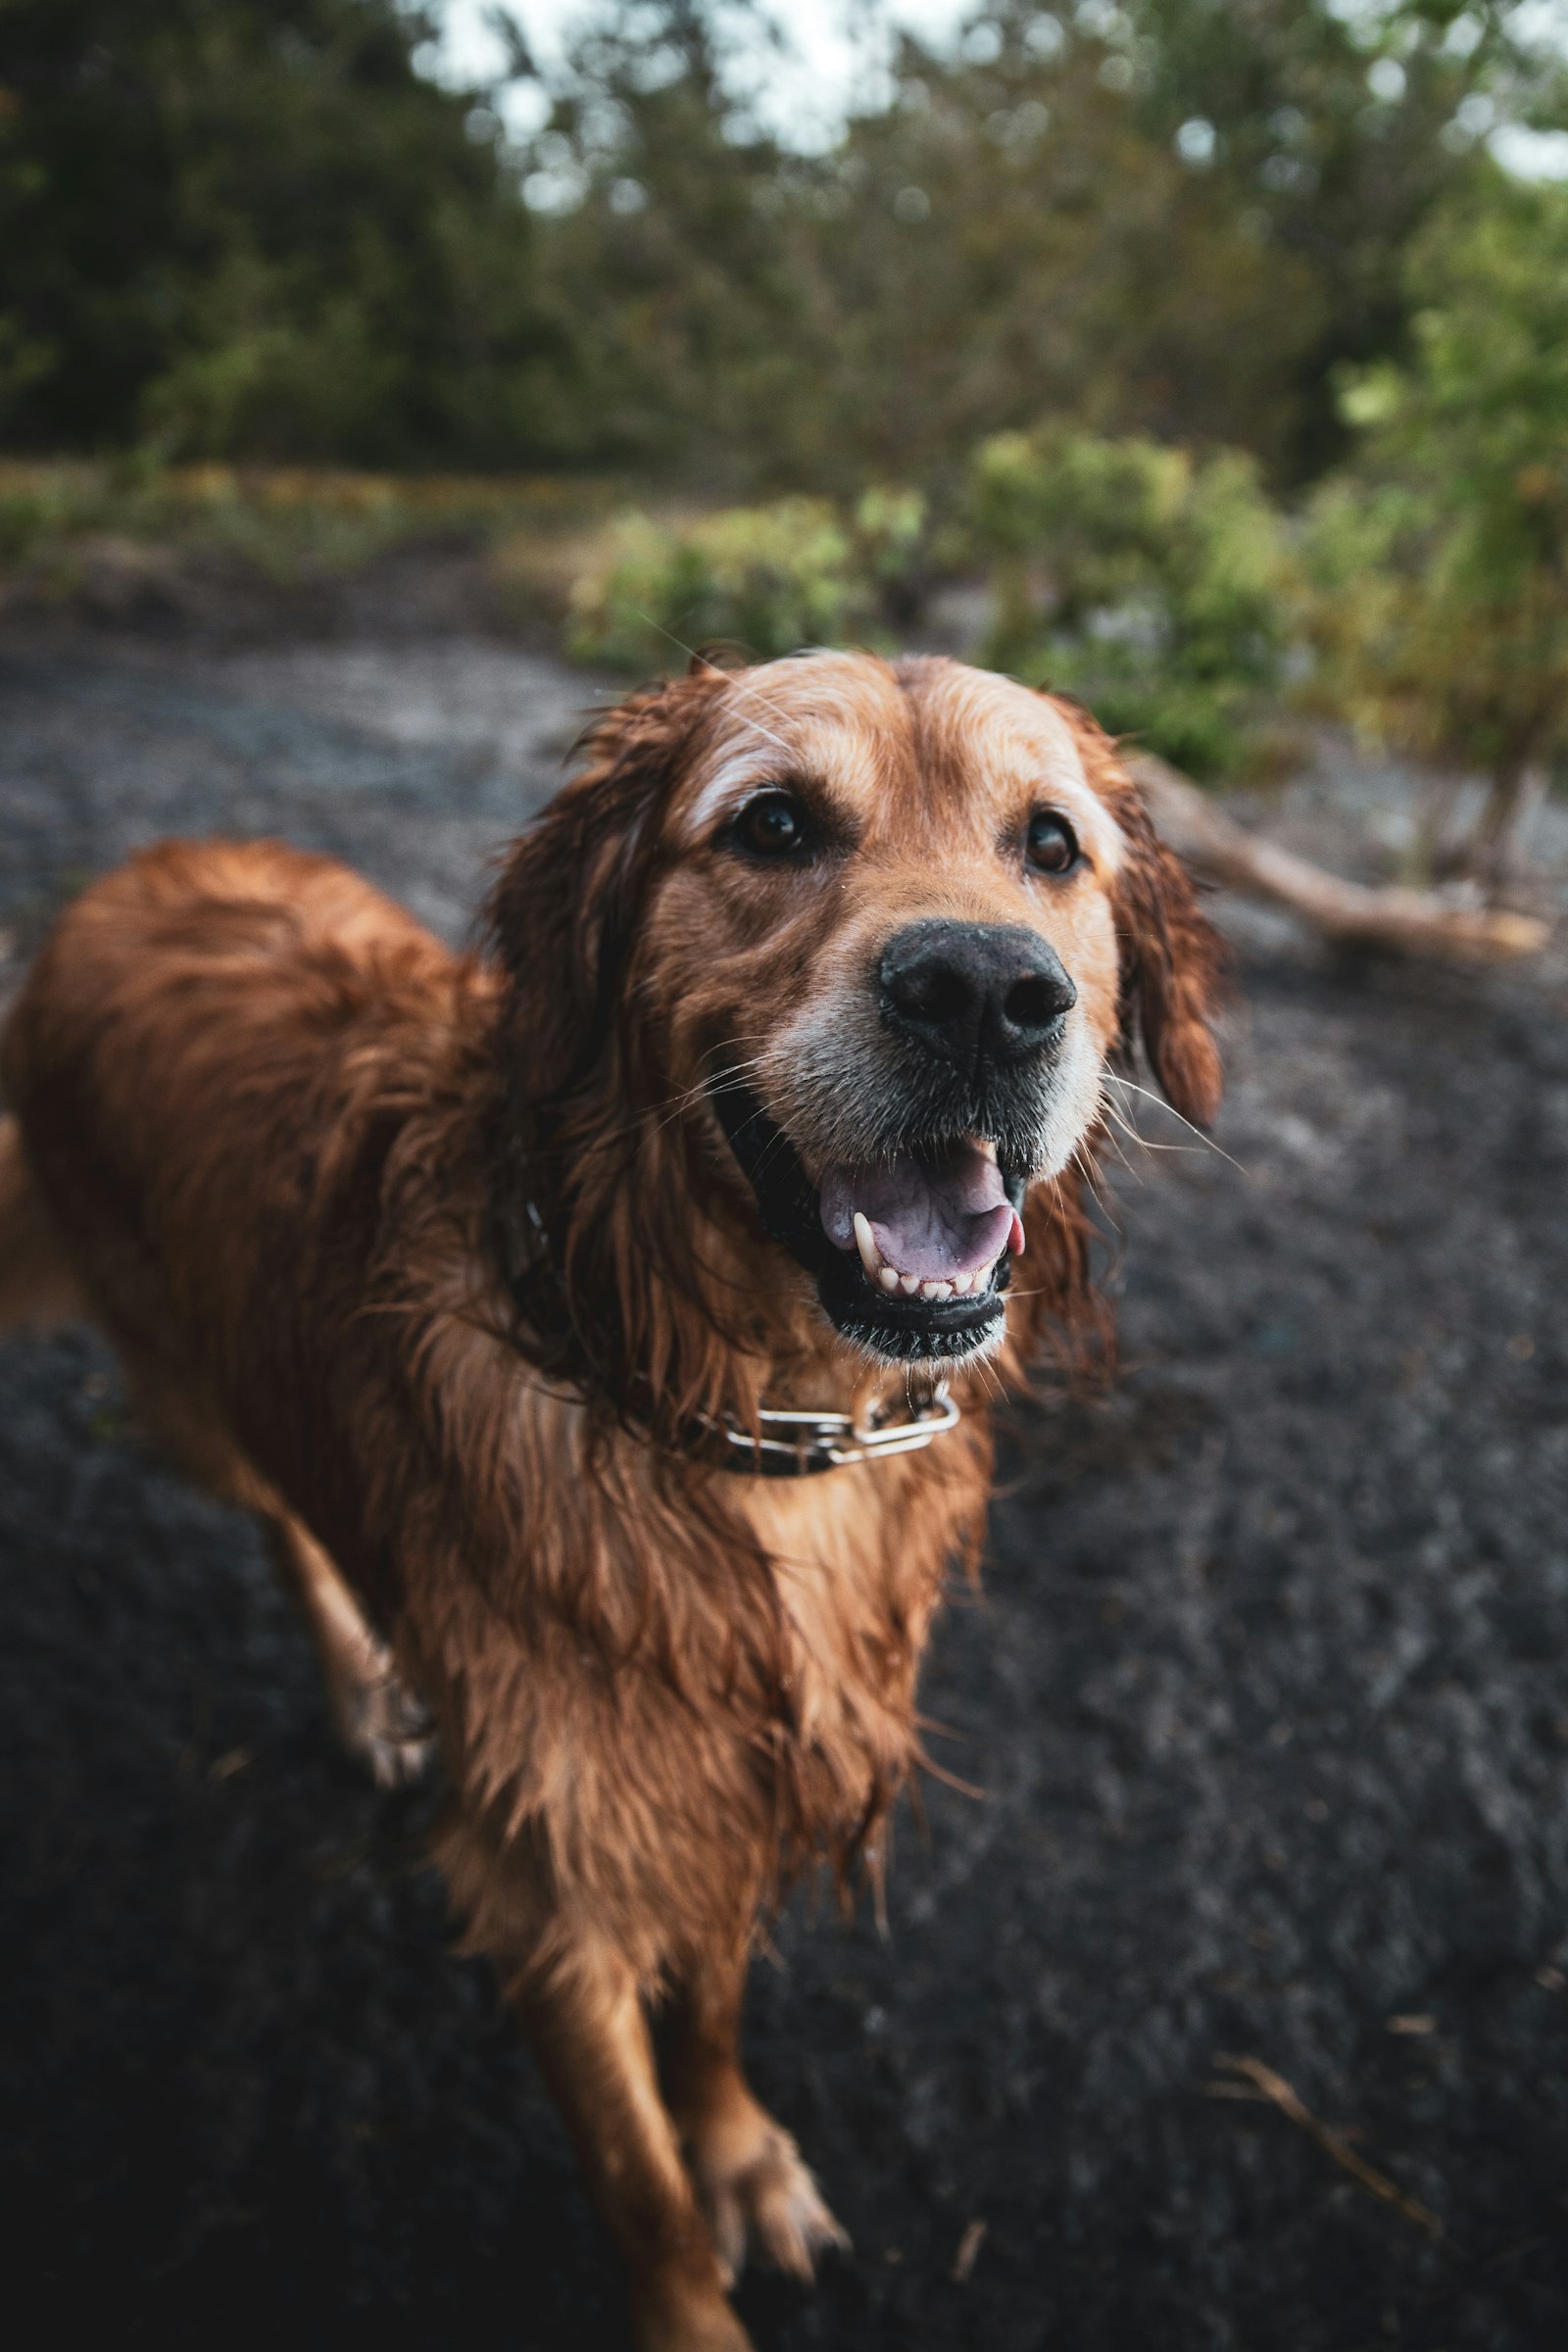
<point x="803" y="94"/>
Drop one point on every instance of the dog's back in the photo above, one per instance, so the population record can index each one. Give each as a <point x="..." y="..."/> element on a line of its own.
<point x="36" y="1286"/>
<point x="205" y="1069"/>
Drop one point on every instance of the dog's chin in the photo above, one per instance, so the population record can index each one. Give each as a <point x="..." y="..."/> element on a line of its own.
<point x="895" y="1319"/>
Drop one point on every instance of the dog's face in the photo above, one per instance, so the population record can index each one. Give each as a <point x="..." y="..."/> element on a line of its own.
<point x="889" y="905"/>
<point x="878" y="927"/>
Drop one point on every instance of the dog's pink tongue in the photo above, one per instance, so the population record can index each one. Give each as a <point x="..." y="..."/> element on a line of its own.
<point x="935" y="1219"/>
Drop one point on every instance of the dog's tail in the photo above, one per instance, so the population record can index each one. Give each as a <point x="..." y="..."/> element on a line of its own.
<point x="37" y="1287"/>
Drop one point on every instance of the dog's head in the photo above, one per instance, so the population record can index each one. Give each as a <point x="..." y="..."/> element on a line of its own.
<point x="826" y="960"/>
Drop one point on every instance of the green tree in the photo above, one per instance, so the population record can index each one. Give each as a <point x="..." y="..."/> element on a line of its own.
<point x="1440" y="556"/>
<point x="1336" y="127"/>
<point x="669" y="265"/>
<point x="1174" y="217"/>
<point x="997" y="237"/>
<point x="253" y="226"/>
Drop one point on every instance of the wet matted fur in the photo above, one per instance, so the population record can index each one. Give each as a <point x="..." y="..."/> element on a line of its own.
<point x="449" y="1266"/>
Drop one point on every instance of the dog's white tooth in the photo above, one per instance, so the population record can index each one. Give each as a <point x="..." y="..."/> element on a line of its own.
<point x="889" y="1278"/>
<point x="935" y="1289"/>
<point x="961" y="1285"/>
<point x="908" y="1284"/>
<point x="870" y="1254"/>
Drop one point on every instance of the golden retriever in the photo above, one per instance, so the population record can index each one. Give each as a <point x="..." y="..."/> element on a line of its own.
<point x="604" y="1325"/>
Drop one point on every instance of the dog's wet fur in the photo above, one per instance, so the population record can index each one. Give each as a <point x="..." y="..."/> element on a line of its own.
<point x="437" y="1263"/>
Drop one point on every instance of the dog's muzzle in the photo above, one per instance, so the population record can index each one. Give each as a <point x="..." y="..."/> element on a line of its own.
<point x="910" y="1257"/>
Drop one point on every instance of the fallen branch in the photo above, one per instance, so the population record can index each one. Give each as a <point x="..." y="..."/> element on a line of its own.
<point x="970" y="2245"/>
<point x="1333" y="2144"/>
<point x="1411" y="922"/>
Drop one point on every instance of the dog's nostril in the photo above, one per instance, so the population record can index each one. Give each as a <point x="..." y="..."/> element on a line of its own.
<point x="1034" y="1002"/>
<point x="936" y="993"/>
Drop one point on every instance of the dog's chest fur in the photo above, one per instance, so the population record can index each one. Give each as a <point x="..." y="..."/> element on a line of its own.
<point x="679" y="1689"/>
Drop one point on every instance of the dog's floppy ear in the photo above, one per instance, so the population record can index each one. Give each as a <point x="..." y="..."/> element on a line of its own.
<point x="1173" y="961"/>
<point x="1172" y="966"/>
<point x="562" y="915"/>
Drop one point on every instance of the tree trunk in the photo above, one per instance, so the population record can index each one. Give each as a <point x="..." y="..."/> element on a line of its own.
<point x="1430" y="855"/>
<point x="1491" y="853"/>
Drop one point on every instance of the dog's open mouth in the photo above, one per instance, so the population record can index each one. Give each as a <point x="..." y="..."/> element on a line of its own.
<point x="929" y="1226"/>
<point x="912" y="1253"/>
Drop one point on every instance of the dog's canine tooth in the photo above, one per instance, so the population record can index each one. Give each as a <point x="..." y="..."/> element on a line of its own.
<point x="887" y="1277"/>
<point x="870" y="1254"/>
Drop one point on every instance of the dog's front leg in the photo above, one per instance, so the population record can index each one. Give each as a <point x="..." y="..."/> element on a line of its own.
<point x="591" y="2038"/>
<point x="378" y="1718"/>
<point x="754" y="2186"/>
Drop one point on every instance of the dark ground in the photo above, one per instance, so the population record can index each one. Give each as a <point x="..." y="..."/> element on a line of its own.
<point x="1269" y="1693"/>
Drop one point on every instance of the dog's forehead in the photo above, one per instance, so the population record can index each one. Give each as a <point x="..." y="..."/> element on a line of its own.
<point x="995" y="737"/>
<point x="893" y="745"/>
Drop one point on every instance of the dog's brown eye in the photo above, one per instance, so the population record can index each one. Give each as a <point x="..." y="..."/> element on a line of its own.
<point x="773" y="825"/>
<point x="1052" y="846"/>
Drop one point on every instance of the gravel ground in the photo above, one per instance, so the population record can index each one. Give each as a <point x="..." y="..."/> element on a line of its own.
<point x="1266" y="1696"/>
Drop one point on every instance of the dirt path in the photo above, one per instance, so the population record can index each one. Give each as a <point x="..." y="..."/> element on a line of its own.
<point x="1268" y="1694"/>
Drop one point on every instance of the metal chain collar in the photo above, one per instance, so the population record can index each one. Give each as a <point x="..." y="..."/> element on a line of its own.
<point x="800" y="1444"/>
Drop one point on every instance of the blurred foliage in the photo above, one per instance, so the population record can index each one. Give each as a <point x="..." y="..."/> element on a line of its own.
<point x="133" y="535"/>
<point x="1147" y="583"/>
<point x="1170" y="216"/>
<point x="766" y="579"/>
<point x="253" y="228"/>
<point x="1439" y="557"/>
<point x="1068" y="291"/>
<point x="250" y="227"/>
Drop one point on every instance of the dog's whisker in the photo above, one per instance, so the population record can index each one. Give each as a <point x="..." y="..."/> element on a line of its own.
<point x="727" y="675"/>
<point x="1113" y="1139"/>
<point x="1116" y="1078"/>
<point x="1135" y="1134"/>
<point x="670" y="1106"/>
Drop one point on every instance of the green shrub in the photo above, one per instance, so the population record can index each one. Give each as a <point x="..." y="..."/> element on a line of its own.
<point x="278" y="525"/>
<point x="892" y="553"/>
<point x="1438" y="559"/>
<point x="766" y="579"/>
<point x="1145" y="581"/>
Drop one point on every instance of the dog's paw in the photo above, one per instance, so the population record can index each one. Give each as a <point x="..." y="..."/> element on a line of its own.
<point x="384" y="1724"/>
<point x="762" y="2198"/>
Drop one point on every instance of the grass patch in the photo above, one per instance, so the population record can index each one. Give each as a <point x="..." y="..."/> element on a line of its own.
<point x="111" y="534"/>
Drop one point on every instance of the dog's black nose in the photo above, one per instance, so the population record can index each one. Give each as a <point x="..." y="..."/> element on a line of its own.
<point x="975" y="990"/>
